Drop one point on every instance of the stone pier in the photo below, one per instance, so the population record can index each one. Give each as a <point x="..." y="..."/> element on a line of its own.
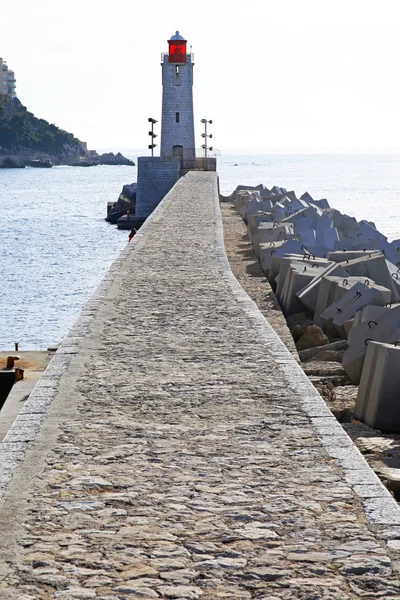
<point x="175" y="449"/>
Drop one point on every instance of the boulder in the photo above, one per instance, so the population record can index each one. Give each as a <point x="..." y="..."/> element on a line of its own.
<point x="297" y="332"/>
<point x="312" y="337"/>
<point x="120" y="208"/>
<point x="303" y="319"/>
<point x="129" y="191"/>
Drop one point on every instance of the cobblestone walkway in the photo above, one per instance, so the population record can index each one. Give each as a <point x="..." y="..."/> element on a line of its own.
<point x="185" y="454"/>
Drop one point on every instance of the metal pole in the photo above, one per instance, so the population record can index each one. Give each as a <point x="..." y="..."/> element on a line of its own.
<point x="205" y="149"/>
<point x="152" y="135"/>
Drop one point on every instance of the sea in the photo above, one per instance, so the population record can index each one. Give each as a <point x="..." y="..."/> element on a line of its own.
<point x="55" y="245"/>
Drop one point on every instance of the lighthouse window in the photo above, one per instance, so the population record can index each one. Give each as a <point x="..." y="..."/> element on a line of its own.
<point x="177" y="75"/>
<point x="177" y="117"/>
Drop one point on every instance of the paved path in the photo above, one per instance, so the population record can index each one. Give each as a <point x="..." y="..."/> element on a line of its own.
<point x="185" y="454"/>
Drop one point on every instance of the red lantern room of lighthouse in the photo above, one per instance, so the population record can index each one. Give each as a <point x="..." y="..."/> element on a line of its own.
<point x="177" y="49"/>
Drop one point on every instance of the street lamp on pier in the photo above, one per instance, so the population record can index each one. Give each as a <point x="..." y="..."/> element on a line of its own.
<point x="152" y="135"/>
<point x="205" y="135"/>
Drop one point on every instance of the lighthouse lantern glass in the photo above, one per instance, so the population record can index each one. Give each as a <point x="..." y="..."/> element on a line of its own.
<point x="177" y="51"/>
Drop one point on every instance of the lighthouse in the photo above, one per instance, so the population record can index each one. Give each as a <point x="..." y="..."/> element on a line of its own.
<point x="158" y="174"/>
<point x="177" y="120"/>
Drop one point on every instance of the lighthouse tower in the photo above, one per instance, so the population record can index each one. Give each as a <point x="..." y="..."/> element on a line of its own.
<point x="177" y="121"/>
<point x="158" y="174"/>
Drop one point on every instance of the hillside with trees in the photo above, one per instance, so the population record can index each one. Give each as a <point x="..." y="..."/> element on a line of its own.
<point x="23" y="133"/>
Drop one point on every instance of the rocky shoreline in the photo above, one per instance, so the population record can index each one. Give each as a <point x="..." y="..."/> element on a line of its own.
<point x="92" y="159"/>
<point x="319" y="356"/>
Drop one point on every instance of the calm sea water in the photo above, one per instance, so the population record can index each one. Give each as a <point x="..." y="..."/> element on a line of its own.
<point x="55" y="245"/>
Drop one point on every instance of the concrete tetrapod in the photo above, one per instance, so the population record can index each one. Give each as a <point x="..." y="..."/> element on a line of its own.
<point x="378" y="403"/>
<point x="387" y="330"/>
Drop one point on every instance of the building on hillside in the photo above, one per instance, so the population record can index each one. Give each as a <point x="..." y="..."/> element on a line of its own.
<point x="158" y="174"/>
<point x="7" y="80"/>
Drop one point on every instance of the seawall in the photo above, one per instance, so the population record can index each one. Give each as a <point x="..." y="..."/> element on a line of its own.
<point x="175" y="449"/>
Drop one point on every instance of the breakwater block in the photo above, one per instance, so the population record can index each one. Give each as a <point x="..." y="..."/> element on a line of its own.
<point x="378" y="399"/>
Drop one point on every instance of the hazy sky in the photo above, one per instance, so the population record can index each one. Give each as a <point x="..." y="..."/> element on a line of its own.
<point x="281" y="74"/>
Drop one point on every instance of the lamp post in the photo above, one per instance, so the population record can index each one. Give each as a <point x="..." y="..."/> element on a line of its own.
<point x="205" y="146"/>
<point x="152" y="135"/>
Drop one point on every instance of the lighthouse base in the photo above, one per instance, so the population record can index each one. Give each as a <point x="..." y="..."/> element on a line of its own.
<point x="155" y="177"/>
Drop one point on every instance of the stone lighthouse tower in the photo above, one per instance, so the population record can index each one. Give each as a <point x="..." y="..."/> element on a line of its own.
<point x="158" y="174"/>
<point x="177" y="121"/>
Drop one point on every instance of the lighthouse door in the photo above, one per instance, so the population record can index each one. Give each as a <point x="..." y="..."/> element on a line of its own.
<point x="177" y="151"/>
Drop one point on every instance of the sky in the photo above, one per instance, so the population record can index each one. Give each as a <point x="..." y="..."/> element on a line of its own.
<point x="273" y="75"/>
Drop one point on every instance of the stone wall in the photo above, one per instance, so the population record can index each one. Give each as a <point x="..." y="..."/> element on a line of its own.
<point x="156" y="176"/>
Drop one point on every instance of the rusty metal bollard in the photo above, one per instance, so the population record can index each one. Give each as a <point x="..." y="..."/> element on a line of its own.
<point x="19" y="374"/>
<point x="11" y="359"/>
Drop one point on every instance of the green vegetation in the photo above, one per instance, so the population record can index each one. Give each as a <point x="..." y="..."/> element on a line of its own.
<point x="20" y="130"/>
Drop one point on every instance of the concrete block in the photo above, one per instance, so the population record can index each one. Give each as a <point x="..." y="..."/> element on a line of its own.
<point x="307" y="197"/>
<point x="378" y="396"/>
<point x="366" y="319"/>
<point x="343" y="222"/>
<point x="367" y="231"/>
<point x="279" y="215"/>
<point x="266" y="205"/>
<point x="309" y="295"/>
<point x="279" y="263"/>
<point x="387" y="330"/>
<point x="270" y="232"/>
<point x="343" y="255"/>
<point x="276" y="190"/>
<point x="328" y="238"/>
<point x="392" y="251"/>
<point x="271" y="250"/>
<point x="358" y="296"/>
<point x="308" y="238"/>
<point x="323" y="203"/>
<point x="331" y="290"/>
<point x="295" y="205"/>
<point x="254" y="206"/>
<point x="376" y="267"/>
<point x="345" y="242"/>
<point x="277" y="206"/>
<point x="298" y="275"/>
<point x="309" y="212"/>
<point x="304" y="224"/>
<point x="368" y="313"/>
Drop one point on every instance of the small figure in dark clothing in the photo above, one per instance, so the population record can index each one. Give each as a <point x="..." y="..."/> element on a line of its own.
<point x="132" y="233"/>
